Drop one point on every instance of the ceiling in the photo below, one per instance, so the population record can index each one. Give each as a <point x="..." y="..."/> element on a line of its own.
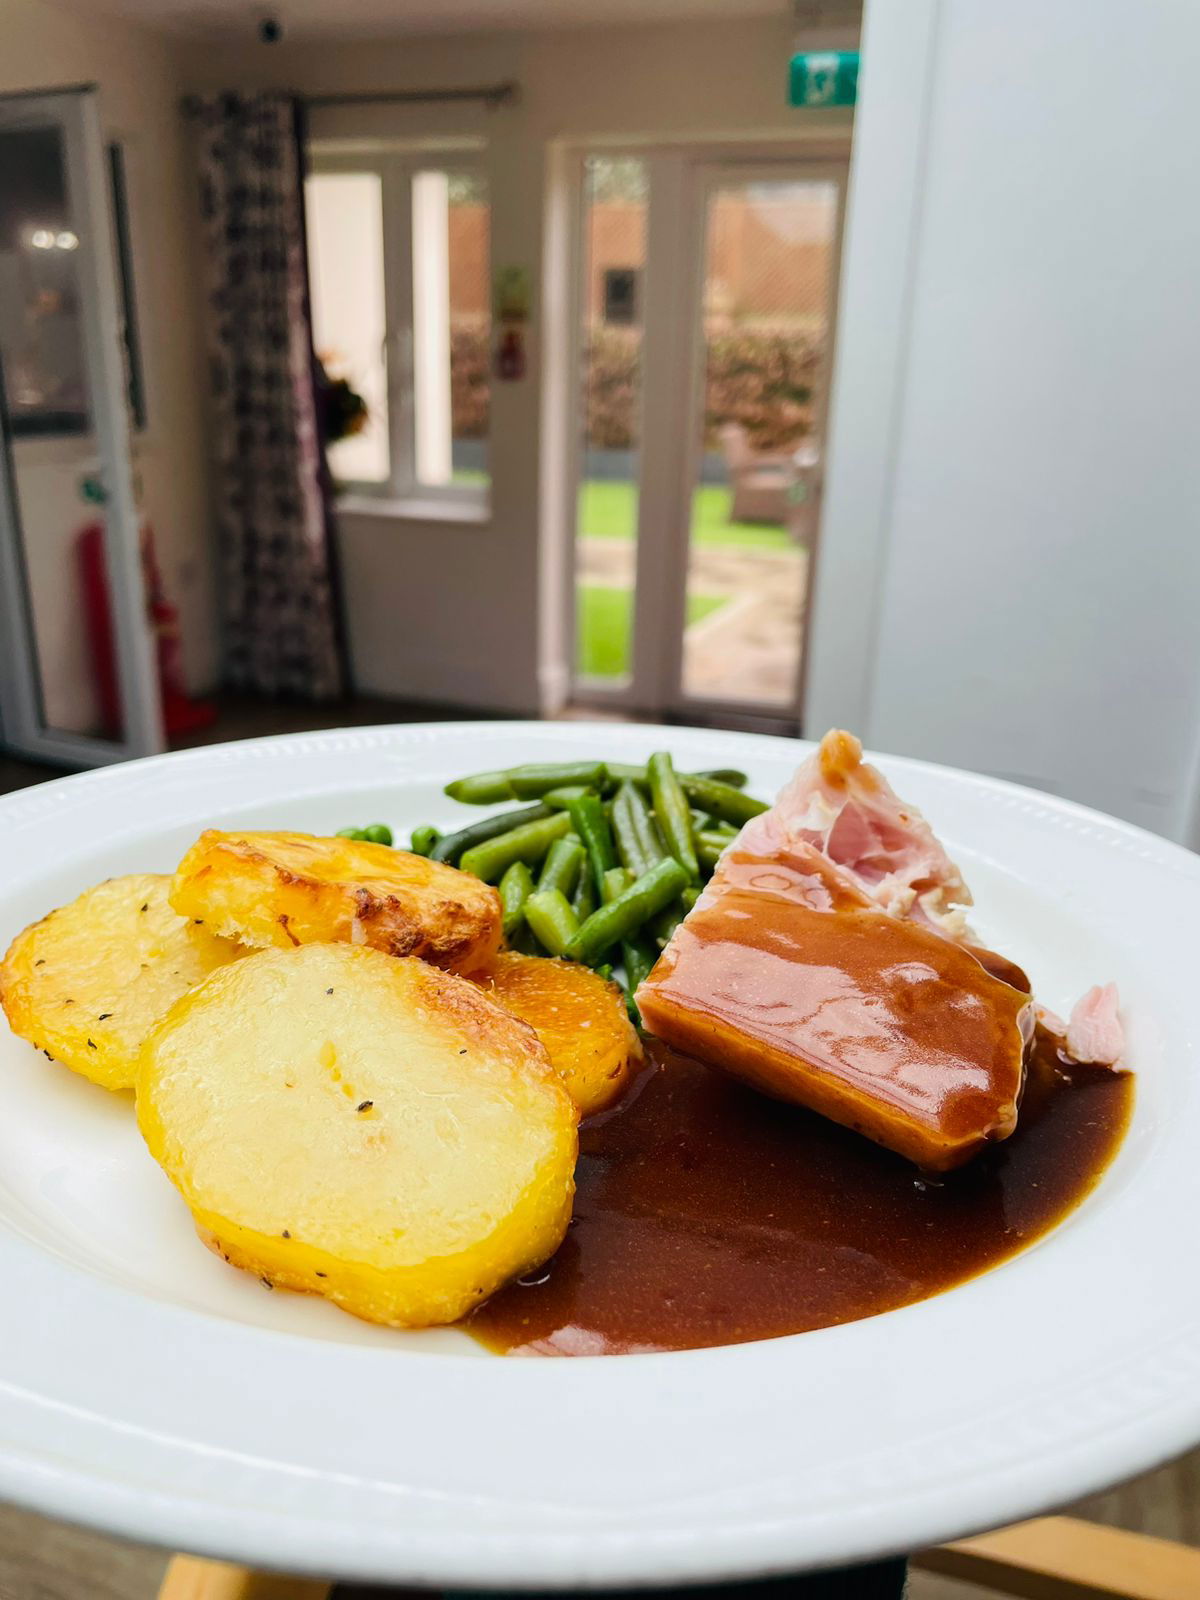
<point x="365" y="18"/>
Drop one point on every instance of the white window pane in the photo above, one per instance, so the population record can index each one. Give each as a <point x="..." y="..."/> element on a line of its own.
<point x="345" y="264"/>
<point x="451" y="326"/>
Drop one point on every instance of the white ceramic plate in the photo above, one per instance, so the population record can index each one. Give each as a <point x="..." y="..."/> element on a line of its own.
<point x="147" y="1389"/>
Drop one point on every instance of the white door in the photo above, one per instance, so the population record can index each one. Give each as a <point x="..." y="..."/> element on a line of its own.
<point x="78" y="682"/>
<point x="706" y="316"/>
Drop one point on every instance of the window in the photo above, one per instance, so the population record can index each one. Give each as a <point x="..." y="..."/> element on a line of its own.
<point x="398" y="245"/>
<point x="41" y="339"/>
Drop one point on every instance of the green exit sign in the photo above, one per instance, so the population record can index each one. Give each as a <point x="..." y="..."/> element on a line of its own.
<point x="824" y="78"/>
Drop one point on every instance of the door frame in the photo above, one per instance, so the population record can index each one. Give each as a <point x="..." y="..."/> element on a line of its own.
<point x="76" y="113"/>
<point x="681" y="177"/>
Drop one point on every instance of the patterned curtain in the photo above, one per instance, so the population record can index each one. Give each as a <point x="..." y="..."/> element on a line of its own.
<point x="273" y="509"/>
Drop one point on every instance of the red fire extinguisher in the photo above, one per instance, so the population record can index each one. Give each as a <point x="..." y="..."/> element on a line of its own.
<point x="181" y="714"/>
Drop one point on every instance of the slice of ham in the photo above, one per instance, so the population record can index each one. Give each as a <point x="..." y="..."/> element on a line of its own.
<point x="787" y="973"/>
<point x="840" y="805"/>
<point x="1094" y="1034"/>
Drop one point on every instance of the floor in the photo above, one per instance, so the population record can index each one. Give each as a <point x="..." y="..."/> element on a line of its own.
<point x="243" y="717"/>
<point x="41" y="1559"/>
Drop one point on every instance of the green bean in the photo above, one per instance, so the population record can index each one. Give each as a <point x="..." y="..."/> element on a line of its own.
<point x="638" y="960"/>
<point x="560" y="799"/>
<point x="649" y="833"/>
<point x="605" y="971"/>
<point x="621" y="918"/>
<point x="664" y="924"/>
<point x="534" y="780"/>
<point x="702" y="822"/>
<point x="638" y="843"/>
<point x="529" y="843"/>
<point x="481" y="788"/>
<point x="423" y="840"/>
<point x="587" y="815"/>
<point x="524" y="783"/>
<point x="625" y="837"/>
<point x="710" y="847"/>
<point x="583" y="901"/>
<point x="560" y="869"/>
<point x="548" y="912"/>
<point x="721" y="799"/>
<point x="639" y="956"/>
<point x="616" y="881"/>
<point x="515" y="888"/>
<point x="453" y="845"/>
<point x="672" y="812"/>
<point x="619" y="772"/>
<point x="689" y="896"/>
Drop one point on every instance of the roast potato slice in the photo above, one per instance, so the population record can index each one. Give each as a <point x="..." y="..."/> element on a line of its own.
<point x="286" y="889"/>
<point x="87" y="983"/>
<point x="361" y="1127"/>
<point x="580" y="1018"/>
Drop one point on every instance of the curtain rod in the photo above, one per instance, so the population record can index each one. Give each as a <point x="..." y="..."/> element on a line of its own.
<point x="491" y="94"/>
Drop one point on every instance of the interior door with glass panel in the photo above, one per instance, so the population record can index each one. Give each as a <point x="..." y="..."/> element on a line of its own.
<point x="78" y="681"/>
<point x="767" y="238"/>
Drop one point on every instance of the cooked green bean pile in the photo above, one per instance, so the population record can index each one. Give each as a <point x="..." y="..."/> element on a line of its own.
<point x="605" y="863"/>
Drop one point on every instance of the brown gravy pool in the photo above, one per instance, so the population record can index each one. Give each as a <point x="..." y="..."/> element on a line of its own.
<point x="707" y="1214"/>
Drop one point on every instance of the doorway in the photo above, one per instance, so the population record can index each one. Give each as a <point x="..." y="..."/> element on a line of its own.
<point x="704" y="315"/>
<point x="78" y="685"/>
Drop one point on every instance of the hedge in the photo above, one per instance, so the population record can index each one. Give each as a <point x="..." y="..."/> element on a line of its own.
<point x="763" y="379"/>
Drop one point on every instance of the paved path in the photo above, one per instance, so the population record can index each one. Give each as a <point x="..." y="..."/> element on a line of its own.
<point x="749" y="648"/>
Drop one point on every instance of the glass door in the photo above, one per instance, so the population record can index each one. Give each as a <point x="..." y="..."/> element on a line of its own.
<point x="704" y="313"/>
<point x="78" y="682"/>
<point x="768" y="239"/>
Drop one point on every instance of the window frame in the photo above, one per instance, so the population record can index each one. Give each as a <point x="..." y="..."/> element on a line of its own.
<point x="396" y="168"/>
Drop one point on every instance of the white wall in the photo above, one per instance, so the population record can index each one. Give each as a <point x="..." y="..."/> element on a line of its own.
<point x="451" y="612"/>
<point x="1010" y="568"/>
<point x="46" y="46"/>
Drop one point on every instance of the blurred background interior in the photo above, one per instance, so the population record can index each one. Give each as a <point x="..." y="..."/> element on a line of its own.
<point x="637" y="358"/>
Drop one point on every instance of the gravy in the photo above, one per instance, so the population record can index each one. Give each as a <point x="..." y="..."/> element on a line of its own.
<point x="707" y="1214"/>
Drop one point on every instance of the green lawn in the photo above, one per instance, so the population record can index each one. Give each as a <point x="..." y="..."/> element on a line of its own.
<point x="603" y="624"/>
<point x="608" y="510"/>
